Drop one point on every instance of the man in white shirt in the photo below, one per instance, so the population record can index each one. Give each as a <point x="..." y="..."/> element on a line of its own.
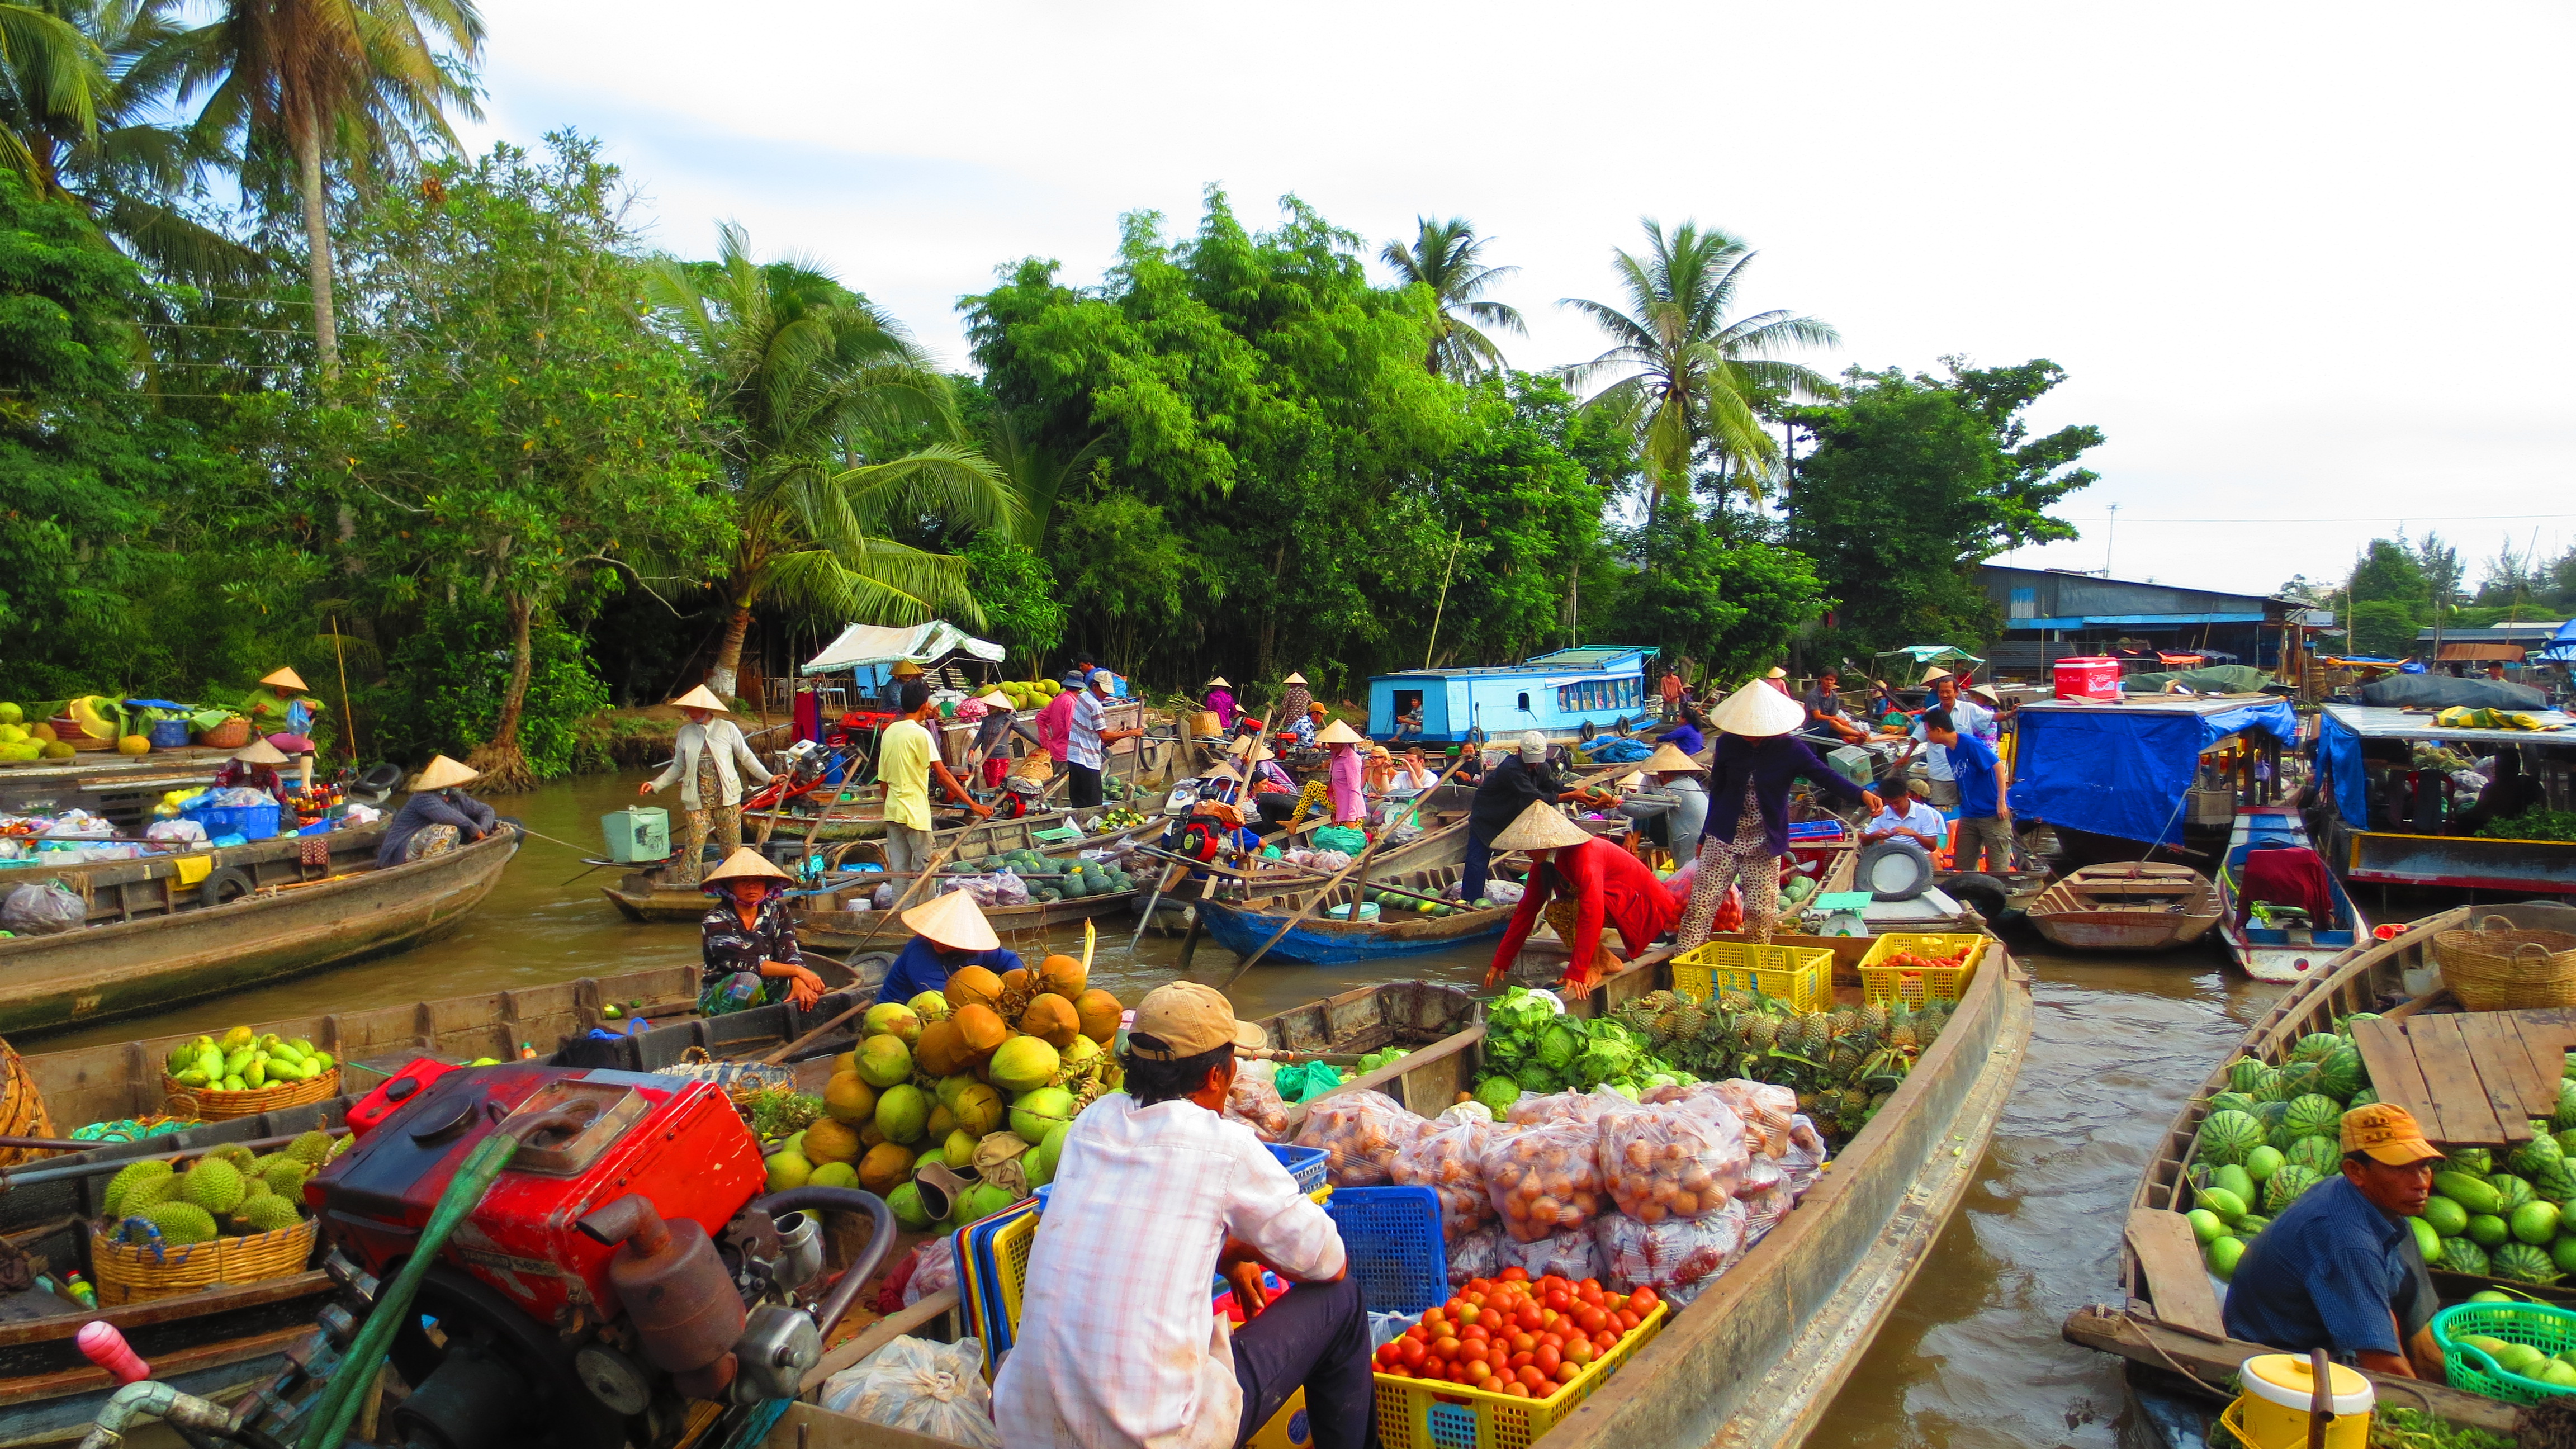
<point x="1156" y="1193"/>
<point x="1971" y="717"/>
<point x="1905" y="818"/>
<point x="1086" y="743"/>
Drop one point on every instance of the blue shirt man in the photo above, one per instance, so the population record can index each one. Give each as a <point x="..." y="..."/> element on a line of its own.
<point x="2338" y="1269"/>
<point x="949" y="934"/>
<point x="1972" y="764"/>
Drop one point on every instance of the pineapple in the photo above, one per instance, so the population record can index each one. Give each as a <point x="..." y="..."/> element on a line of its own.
<point x="1766" y="1031"/>
<point x="1684" y="1022"/>
<point x="1844" y="1058"/>
<point x="1873" y="1019"/>
<point x="1846" y="1021"/>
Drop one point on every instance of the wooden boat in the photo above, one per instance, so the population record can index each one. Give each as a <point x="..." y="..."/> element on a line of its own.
<point x="1321" y="939"/>
<point x="2170" y="1325"/>
<point x="2282" y="950"/>
<point x="154" y="944"/>
<point x="1755" y="1361"/>
<point x="2140" y="906"/>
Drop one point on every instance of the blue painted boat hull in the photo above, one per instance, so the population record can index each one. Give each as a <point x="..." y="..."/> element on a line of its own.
<point x="1325" y="944"/>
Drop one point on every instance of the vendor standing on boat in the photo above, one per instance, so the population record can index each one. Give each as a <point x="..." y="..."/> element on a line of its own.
<point x="438" y="817"/>
<point x="1342" y="772"/>
<point x="1581" y="883"/>
<point x="907" y="756"/>
<point x="2339" y="1269"/>
<point x="1219" y="701"/>
<point x="1155" y="1193"/>
<point x="748" y="941"/>
<point x="1748" y="822"/>
<point x="709" y="760"/>
<point x="1087" y="748"/>
<point x="254" y="767"/>
<point x="1677" y="777"/>
<point x="1055" y="722"/>
<point x="281" y="704"/>
<point x="1509" y="789"/>
<point x="1294" y="700"/>
<point x="1967" y="716"/>
<point x="949" y="933"/>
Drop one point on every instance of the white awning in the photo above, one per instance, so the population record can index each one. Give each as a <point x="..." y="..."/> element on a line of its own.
<point x="862" y="645"/>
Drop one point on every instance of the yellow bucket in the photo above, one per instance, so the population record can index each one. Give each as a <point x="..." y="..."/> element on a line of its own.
<point x="2272" y="1412"/>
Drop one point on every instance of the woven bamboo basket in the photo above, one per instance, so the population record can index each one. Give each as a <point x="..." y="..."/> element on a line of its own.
<point x="232" y="734"/>
<point x="128" y="1273"/>
<point x="2495" y="967"/>
<point x="22" y="1108"/>
<point x="209" y="1105"/>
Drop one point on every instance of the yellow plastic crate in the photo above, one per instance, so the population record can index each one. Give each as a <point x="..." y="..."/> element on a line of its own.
<point x="1803" y="976"/>
<point x="1890" y="985"/>
<point x="1419" y="1414"/>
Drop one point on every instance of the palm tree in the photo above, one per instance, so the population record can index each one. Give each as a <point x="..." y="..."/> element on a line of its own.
<point x="363" y="80"/>
<point x="807" y="379"/>
<point x="1696" y="379"/>
<point x="98" y="138"/>
<point x="52" y="61"/>
<point x="1443" y="258"/>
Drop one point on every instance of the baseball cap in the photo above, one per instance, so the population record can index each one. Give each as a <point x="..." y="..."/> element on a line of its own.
<point x="2388" y="1133"/>
<point x="1185" y="1019"/>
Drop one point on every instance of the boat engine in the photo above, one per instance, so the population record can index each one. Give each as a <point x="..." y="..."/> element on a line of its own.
<point x="623" y="1281"/>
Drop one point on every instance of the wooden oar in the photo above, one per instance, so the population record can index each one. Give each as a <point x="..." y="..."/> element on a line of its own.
<point x="1162" y="883"/>
<point x="1315" y="897"/>
<point x="928" y="872"/>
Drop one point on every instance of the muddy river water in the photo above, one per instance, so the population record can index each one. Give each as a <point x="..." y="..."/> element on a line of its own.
<point x="1972" y="1356"/>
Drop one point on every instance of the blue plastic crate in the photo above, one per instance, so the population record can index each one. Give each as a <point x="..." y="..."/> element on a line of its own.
<point x="1392" y="1235"/>
<point x="250" y="822"/>
<point x="1307" y="1165"/>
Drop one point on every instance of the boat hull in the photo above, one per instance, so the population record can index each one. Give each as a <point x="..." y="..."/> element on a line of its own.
<point x="137" y="967"/>
<point x="2136" y="907"/>
<point x="2268" y="954"/>
<point x="1333" y="943"/>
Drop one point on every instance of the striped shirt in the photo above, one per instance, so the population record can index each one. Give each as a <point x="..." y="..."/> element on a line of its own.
<point x="1082" y="740"/>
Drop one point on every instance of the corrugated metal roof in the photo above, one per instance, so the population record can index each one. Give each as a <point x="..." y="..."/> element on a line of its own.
<point x="1590" y="656"/>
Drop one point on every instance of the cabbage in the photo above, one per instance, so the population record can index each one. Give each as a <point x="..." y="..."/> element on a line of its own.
<point x="1498" y="1093"/>
<point x="1558" y="1043"/>
<point x="1518" y="1010"/>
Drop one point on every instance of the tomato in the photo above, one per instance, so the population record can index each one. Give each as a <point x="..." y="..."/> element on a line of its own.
<point x="1396" y="1371"/>
<point x="1444" y="1348"/>
<point x="1515" y="1275"/>
<point x="1534" y="1378"/>
<point x="1517" y="1389"/>
<point x="1605" y="1340"/>
<point x="1558" y="1299"/>
<point x="1551" y="1340"/>
<point x="1591" y="1320"/>
<point x="1470" y="1314"/>
<point x="1528" y="1316"/>
<point x="1521" y="1360"/>
<point x="1480" y="1285"/>
<point x="1478" y="1371"/>
<point x="1474" y="1333"/>
<point x="1581" y="1351"/>
<point x="1626" y="1319"/>
<point x="1643" y="1302"/>
<point x="1567" y="1373"/>
<point x="1432" y="1317"/>
<point x="1524" y="1342"/>
<point x="1545" y="1358"/>
<point x="1413" y="1351"/>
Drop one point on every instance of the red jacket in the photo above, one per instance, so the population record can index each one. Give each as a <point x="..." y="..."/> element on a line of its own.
<point x="1610" y="886"/>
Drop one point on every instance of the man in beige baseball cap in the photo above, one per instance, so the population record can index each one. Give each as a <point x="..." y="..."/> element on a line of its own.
<point x="1154" y="1191"/>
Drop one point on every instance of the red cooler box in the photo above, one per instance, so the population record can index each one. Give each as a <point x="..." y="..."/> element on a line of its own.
<point x="2088" y="679"/>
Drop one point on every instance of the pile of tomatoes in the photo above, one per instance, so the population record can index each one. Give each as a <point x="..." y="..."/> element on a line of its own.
<point x="1910" y="961"/>
<point x="1510" y="1335"/>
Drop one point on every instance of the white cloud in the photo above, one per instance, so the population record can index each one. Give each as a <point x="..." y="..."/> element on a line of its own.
<point x="2298" y="259"/>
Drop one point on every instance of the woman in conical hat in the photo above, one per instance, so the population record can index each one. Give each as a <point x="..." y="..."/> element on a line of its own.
<point x="254" y="767"/>
<point x="710" y="761"/>
<point x="1748" y="817"/>
<point x="1218" y="700"/>
<point x="1676" y="778"/>
<point x="1580" y="883"/>
<point x="949" y="933"/>
<point x="1342" y="772"/>
<point x="438" y="817"/>
<point x="1294" y="700"/>
<point x="281" y="704"/>
<point x="748" y="941"/>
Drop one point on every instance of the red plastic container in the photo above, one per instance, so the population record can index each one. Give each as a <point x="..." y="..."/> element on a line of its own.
<point x="2088" y="679"/>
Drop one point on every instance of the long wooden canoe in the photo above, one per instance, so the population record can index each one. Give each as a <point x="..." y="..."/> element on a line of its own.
<point x="2140" y="906"/>
<point x="1323" y="939"/>
<point x="166" y="946"/>
<point x="2171" y="1319"/>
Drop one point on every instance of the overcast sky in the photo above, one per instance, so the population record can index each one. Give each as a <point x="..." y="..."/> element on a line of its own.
<point x="2304" y="264"/>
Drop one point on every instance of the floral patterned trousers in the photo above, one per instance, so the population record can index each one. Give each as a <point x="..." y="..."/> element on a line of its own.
<point x="1747" y="860"/>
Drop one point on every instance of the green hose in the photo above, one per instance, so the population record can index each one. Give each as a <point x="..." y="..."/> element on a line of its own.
<point x="342" y="1397"/>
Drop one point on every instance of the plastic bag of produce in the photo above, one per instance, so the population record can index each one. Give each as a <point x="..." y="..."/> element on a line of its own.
<point x="933" y="1389"/>
<point x="1571" y="1255"/>
<point x="175" y="832"/>
<point x="1765" y="1110"/>
<point x="1676" y="1257"/>
<point x="1805" y="1157"/>
<point x="1580" y="1108"/>
<point x="883" y="897"/>
<point x="1545" y="1180"/>
<point x="1256" y="1104"/>
<point x="1766" y="1196"/>
<point x="1448" y="1158"/>
<point x="1475" y="1256"/>
<point x="1362" y="1131"/>
<point x="934" y="1269"/>
<point x="1329" y="861"/>
<point x="1678" y="1161"/>
<point x="43" y="909"/>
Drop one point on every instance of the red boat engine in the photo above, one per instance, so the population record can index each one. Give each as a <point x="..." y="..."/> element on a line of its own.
<point x="624" y="1266"/>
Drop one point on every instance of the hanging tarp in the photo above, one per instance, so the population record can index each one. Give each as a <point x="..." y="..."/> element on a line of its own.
<point x="2562" y="645"/>
<point x="2339" y="757"/>
<point x="2124" y="770"/>
<point x="863" y="645"/>
<point x="1906" y="667"/>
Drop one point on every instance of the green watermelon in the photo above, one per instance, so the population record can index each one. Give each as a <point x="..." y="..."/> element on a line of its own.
<point x="2268" y="1087"/>
<point x="2366" y="1097"/>
<point x="2262" y="1162"/>
<point x="2477" y="1162"/>
<point x="2283" y="1136"/>
<point x="2285" y="1187"/>
<point x="2537" y="1156"/>
<point x="2320" y="1155"/>
<point x="2567" y="1068"/>
<point x="2511" y="1192"/>
<point x="2227" y="1136"/>
<point x="2523" y="1263"/>
<point x="2298" y="1079"/>
<point x="2245" y="1074"/>
<point x="2340" y="1072"/>
<point x="2314" y="1115"/>
<point x="2448" y="1218"/>
<point x="2345" y="1026"/>
<point x="2556" y="1182"/>
<point x="2231" y="1102"/>
<point x="2565" y="1116"/>
<point x="2563" y="1253"/>
<point x="2459" y="1255"/>
<point x="2236" y="1180"/>
<point x="2316" y="1046"/>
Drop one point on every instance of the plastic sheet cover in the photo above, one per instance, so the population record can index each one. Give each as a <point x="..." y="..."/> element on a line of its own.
<point x="2339" y="750"/>
<point x="2124" y="771"/>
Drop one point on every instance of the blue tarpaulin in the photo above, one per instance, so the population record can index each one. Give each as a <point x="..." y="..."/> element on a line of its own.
<point x="2124" y="771"/>
<point x="2339" y="750"/>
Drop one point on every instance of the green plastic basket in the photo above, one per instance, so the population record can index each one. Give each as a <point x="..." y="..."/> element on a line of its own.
<point x="2544" y="1326"/>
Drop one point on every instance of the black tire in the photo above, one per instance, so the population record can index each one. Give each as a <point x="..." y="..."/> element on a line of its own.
<point x="225" y="885"/>
<point x="1989" y="895"/>
<point x="1865" y="871"/>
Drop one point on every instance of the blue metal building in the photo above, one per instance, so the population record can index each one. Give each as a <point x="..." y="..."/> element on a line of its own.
<point x="1556" y="694"/>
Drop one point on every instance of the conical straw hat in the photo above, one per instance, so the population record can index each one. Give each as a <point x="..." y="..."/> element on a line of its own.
<point x="1757" y="711"/>
<point x="701" y="698"/>
<point x="1216" y="681"/>
<point x="952" y="920"/>
<point x="260" y="752"/>
<point x="1540" y="827"/>
<point x="1252" y="749"/>
<point x="999" y="700"/>
<point x="1668" y="756"/>
<point x="439" y="773"/>
<point x="746" y="864"/>
<point x="286" y="679"/>
<point x="1338" y="733"/>
<point x="1777" y="673"/>
<point x="904" y="669"/>
<point x="1294" y="678"/>
<point x="1932" y="674"/>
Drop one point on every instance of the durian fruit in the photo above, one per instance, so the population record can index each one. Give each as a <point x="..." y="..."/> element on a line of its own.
<point x="312" y="1149"/>
<point x="158" y="1188"/>
<point x="213" y="1184"/>
<point x="268" y="1212"/>
<point x="182" y="1223"/>
<point x="285" y="1177"/>
<point x="233" y="1152"/>
<point x="259" y="1166"/>
<point x="126" y="1179"/>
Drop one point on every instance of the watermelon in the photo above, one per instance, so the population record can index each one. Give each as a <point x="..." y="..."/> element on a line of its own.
<point x="2459" y="1255"/>
<point x="2314" y="1115"/>
<point x="2427" y="1242"/>
<point x="2566" y="1142"/>
<point x="2511" y="1192"/>
<point x="2297" y="1080"/>
<point x="2474" y="1161"/>
<point x="2236" y="1180"/>
<point x="2320" y="1155"/>
<point x="2231" y="1102"/>
<point x="2489" y="1231"/>
<point x="2247" y="1226"/>
<point x="2227" y="1136"/>
<point x="2565" y="1116"/>
<point x="2316" y="1046"/>
<point x="2567" y="1068"/>
<point x="2340" y="1072"/>
<point x="2563" y="1253"/>
<point x="2270" y="1113"/>
<point x="2537" y="1156"/>
<point x="2448" y="1218"/>
<point x="2267" y="1087"/>
<point x="2556" y="1182"/>
<point x="2262" y="1162"/>
<point x="2285" y="1187"/>
<point x="2345" y="1026"/>
<point x="2283" y="1137"/>
<point x="2245" y="1074"/>
<point x="2366" y="1097"/>
<point x="2524" y="1263"/>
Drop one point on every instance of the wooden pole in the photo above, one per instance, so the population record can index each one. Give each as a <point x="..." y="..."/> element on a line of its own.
<point x="348" y="717"/>
<point x="929" y="872"/>
<point x="1436" y="609"/>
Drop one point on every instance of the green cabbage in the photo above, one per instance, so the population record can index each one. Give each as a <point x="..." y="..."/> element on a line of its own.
<point x="1517" y="1011"/>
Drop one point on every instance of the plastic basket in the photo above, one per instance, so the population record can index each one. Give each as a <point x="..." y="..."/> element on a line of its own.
<point x="1887" y="985"/>
<point x="169" y="734"/>
<point x="250" y="822"/>
<point x="1419" y="1414"/>
<point x="1306" y="1164"/>
<point x="1803" y="976"/>
<point x="2544" y="1326"/>
<point x="1392" y="1237"/>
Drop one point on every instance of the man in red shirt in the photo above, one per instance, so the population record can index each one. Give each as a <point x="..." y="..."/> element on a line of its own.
<point x="1595" y="883"/>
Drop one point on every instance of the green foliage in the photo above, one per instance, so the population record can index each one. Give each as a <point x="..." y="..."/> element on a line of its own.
<point x="1732" y="601"/>
<point x="1915" y="481"/>
<point x="1446" y="261"/>
<point x="2389" y="570"/>
<point x="451" y="675"/>
<point x="1022" y="605"/>
<point x="2382" y="628"/>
